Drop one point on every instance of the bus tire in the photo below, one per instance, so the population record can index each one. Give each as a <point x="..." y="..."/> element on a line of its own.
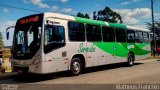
<point x="76" y="66"/>
<point x="130" y="60"/>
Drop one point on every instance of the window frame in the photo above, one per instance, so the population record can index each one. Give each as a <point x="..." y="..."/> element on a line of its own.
<point x="131" y="31"/>
<point x="138" y="39"/>
<point x="109" y="38"/>
<point x="93" y="34"/>
<point x="78" y="32"/>
<point x="117" y="30"/>
<point x="46" y="47"/>
<point x="148" y="37"/>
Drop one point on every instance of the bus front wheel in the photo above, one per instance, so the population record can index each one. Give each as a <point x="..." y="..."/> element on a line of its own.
<point x="76" y="66"/>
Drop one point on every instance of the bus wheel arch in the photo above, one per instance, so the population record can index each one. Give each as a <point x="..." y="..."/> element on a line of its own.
<point x="130" y="59"/>
<point x="80" y="61"/>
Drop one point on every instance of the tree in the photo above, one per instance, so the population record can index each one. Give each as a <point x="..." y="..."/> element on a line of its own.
<point x="86" y="16"/>
<point x="1" y="40"/>
<point x="94" y="15"/>
<point x="107" y="15"/>
<point x="156" y="28"/>
<point x="155" y="41"/>
<point x="82" y="15"/>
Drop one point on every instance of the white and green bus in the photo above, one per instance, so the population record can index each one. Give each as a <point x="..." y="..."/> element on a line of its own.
<point x="50" y="42"/>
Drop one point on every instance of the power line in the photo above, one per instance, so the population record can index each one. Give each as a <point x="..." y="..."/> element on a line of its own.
<point x="19" y="8"/>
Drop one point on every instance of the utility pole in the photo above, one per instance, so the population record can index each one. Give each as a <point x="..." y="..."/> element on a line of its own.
<point x="153" y="29"/>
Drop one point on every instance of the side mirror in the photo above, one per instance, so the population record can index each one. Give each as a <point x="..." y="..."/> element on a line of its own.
<point x="7" y="35"/>
<point x="7" y="32"/>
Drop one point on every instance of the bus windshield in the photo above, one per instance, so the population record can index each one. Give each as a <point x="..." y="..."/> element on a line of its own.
<point x="27" y="37"/>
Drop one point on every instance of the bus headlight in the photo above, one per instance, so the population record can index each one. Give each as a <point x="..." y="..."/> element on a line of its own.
<point x="36" y="60"/>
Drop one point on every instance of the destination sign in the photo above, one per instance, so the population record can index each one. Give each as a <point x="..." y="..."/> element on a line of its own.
<point x="29" y="20"/>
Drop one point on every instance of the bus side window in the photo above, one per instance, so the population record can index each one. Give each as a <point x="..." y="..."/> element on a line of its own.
<point x="139" y="36"/>
<point x="131" y="36"/>
<point x="108" y="34"/>
<point x="54" y="37"/>
<point x="76" y="31"/>
<point x="146" y="37"/>
<point x="120" y="35"/>
<point x="93" y="33"/>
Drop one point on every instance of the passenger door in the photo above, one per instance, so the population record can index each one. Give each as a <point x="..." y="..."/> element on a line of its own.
<point x="54" y="49"/>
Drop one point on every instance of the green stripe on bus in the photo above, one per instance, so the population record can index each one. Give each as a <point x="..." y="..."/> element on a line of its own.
<point x="118" y="49"/>
<point x="109" y="48"/>
<point x="138" y="49"/>
<point x="90" y="21"/>
<point x="122" y="26"/>
<point x="141" y="45"/>
<point x="101" y="23"/>
<point x="121" y="49"/>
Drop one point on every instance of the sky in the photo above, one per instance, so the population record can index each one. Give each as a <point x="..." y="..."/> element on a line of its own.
<point x="133" y="12"/>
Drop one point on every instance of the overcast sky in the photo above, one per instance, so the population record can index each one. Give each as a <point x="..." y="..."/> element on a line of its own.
<point x="133" y="12"/>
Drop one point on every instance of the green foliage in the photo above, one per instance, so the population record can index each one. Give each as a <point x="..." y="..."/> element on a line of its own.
<point x="82" y="15"/>
<point x="86" y="16"/>
<point x="157" y="32"/>
<point x="149" y="25"/>
<point x="156" y="25"/>
<point x="108" y="15"/>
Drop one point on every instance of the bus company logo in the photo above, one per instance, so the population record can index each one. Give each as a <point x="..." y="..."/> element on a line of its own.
<point x="23" y="49"/>
<point x="86" y="49"/>
<point x="114" y="48"/>
<point x="130" y="46"/>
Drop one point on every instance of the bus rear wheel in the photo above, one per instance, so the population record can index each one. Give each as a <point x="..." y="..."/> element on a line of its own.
<point x="76" y="66"/>
<point x="130" y="60"/>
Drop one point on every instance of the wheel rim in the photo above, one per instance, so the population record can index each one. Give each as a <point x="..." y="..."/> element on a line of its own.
<point x="76" y="67"/>
<point x="131" y="60"/>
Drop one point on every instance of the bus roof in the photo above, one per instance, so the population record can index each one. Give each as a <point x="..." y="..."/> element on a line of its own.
<point x="137" y="28"/>
<point x="90" y="21"/>
<point x="94" y="22"/>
